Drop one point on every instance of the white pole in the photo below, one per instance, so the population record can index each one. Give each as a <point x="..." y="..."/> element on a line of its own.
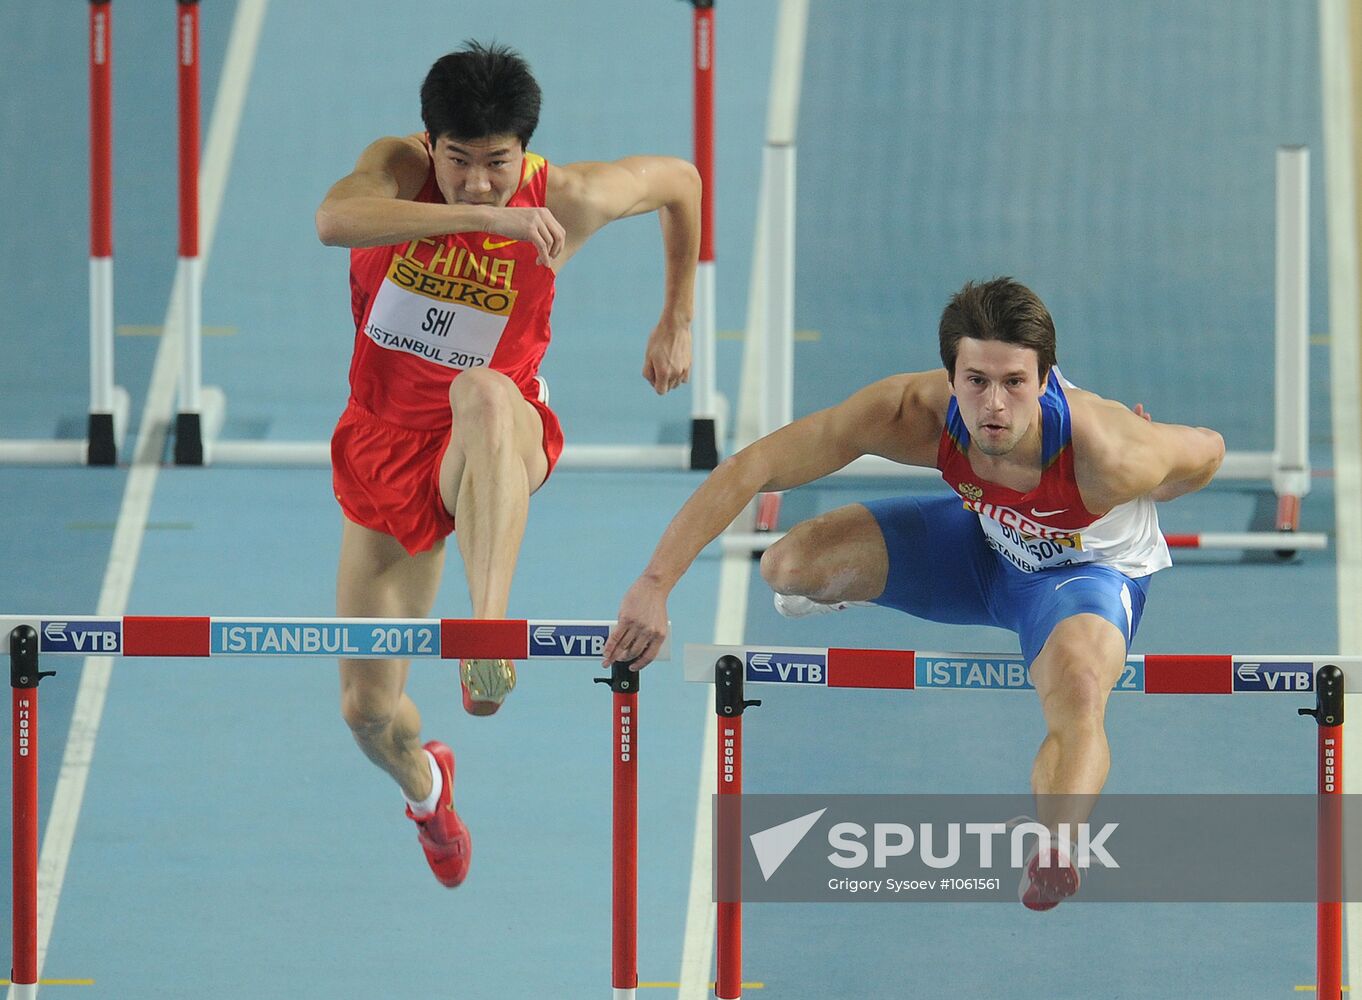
<point x="101" y="335"/>
<point x="703" y="402"/>
<point x="191" y="334"/>
<point x="1292" y="473"/>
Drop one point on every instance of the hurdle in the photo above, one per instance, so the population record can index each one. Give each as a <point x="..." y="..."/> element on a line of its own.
<point x="731" y="668"/>
<point x="107" y="421"/>
<point x="760" y="541"/>
<point x="202" y="409"/>
<point x="1286" y="467"/>
<point x="33" y="637"/>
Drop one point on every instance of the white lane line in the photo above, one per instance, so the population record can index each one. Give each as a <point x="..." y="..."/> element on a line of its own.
<point x="1345" y="363"/>
<point x="697" y="950"/>
<point x="96" y="671"/>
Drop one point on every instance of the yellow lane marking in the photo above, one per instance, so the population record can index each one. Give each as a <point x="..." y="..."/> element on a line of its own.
<point x="806" y="336"/>
<point x="56" y="982"/>
<point x="155" y="331"/>
<point x="677" y="986"/>
<point x="1311" y="989"/>
<point x="1319" y="340"/>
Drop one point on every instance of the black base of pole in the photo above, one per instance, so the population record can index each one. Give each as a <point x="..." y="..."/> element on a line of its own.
<point x="704" y="447"/>
<point x="188" y="439"/>
<point x="101" y="448"/>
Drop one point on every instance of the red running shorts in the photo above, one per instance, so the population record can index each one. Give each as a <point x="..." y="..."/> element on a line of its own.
<point x="387" y="478"/>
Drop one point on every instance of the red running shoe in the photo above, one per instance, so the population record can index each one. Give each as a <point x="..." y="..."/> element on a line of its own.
<point x="1044" y="888"/>
<point x="444" y="838"/>
<point x="485" y="684"/>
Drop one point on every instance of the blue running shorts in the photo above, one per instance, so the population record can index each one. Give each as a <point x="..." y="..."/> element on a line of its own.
<point x="941" y="568"/>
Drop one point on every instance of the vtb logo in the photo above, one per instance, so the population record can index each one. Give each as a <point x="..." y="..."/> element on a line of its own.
<point x="787" y="668"/>
<point x="568" y="640"/>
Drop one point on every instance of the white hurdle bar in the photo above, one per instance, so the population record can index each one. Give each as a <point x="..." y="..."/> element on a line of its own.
<point x="909" y="670"/>
<point x="1287" y="466"/>
<point x="1274" y="541"/>
<point x="203" y="409"/>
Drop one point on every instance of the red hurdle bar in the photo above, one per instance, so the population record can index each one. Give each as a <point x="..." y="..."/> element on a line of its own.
<point x="1193" y="673"/>
<point x="200" y="636"/>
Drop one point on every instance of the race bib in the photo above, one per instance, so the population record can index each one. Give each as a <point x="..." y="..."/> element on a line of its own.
<point x="452" y="320"/>
<point x="1029" y="546"/>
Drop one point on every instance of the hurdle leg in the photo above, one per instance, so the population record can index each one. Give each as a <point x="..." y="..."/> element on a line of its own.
<point x="23" y="678"/>
<point x="729" y="706"/>
<point x="1328" y="714"/>
<point x="624" y="833"/>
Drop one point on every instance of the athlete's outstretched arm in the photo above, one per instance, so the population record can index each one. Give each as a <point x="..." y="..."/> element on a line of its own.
<point x="899" y="417"/>
<point x="587" y="196"/>
<point x="372" y="206"/>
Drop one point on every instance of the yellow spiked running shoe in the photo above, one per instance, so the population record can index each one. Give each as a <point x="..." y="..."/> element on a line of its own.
<point x="485" y="683"/>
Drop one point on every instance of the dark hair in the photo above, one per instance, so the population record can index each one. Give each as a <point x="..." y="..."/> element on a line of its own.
<point x="480" y="91"/>
<point x="1001" y="309"/>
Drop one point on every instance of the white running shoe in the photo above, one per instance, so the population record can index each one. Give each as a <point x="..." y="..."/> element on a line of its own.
<point x="795" y="606"/>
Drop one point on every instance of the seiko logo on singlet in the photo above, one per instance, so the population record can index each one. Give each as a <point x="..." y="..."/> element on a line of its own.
<point x="464" y="279"/>
<point x="443" y="303"/>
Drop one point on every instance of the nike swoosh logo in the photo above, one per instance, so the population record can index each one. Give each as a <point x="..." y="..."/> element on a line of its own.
<point x="489" y="245"/>
<point x="1072" y="579"/>
<point x="1047" y="513"/>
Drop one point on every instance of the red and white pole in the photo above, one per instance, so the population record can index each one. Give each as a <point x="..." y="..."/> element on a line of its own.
<point x="704" y="390"/>
<point x="189" y="424"/>
<point x="729" y="705"/>
<point x="1328" y="714"/>
<point x="24" y="678"/>
<point x="624" y="833"/>
<point x="101" y="435"/>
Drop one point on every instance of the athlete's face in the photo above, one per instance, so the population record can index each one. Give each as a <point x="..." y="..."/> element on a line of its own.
<point x="998" y="388"/>
<point x="478" y="171"/>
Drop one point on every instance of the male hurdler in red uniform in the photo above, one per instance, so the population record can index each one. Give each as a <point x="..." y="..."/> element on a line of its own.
<point x="457" y="236"/>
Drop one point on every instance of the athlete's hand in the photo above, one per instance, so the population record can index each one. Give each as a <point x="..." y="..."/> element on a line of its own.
<point x="641" y="626"/>
<point x="533" y="225"/>
<point x="666" y="360"/>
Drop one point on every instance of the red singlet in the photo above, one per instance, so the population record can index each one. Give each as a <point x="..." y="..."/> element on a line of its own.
<point x="425" y="311"/>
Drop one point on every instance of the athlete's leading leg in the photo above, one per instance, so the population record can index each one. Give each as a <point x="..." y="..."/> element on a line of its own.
<point x="379" y="579"/>
<point x="1074" y="674"/>
<point x="494" y="461"/>
<point x="837" y="556"/>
